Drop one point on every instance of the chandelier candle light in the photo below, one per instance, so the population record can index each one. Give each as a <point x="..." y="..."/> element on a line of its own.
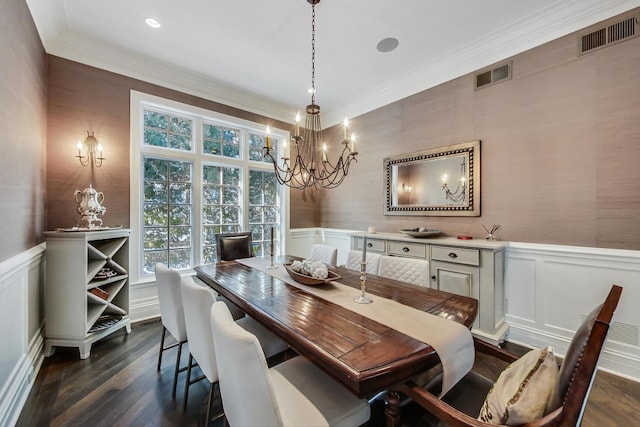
<point x="311" y="166"/>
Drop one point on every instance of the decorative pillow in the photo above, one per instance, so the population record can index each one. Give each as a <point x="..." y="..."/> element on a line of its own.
<point x="521" y="392"/>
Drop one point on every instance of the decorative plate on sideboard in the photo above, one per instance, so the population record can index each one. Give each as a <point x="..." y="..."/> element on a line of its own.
<point x="421" y="232"/>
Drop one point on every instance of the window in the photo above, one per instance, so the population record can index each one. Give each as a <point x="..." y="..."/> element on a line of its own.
<point x="220" y="206"/>
<point x="196" y="173"/>
<point x="167" y="207"/>
<point x="221" y="140"/>
<point x="263" y="211"/>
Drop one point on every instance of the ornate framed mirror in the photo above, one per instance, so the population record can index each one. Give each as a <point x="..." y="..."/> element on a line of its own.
<point x="442" y="181"/>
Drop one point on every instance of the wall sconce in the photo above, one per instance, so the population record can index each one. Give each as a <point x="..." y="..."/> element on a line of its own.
<point x="406" y="188"/>
<point x="92" y="150"/>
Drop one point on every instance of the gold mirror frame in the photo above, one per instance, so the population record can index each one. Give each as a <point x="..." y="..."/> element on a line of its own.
<point x="443" y="181"/>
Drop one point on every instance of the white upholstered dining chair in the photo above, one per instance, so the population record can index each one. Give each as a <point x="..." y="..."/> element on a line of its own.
<point x="355" y="257"/>
<point x="293" y="393"/>
<point x="171" y="315"/>
<point x="324" y="253"/>
<point x="198" y="300"/>
<point x="409" y="270"/>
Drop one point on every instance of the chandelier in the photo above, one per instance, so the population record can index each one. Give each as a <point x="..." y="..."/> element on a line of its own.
<point x="459" y="194"/>
<point x="311" y="166"/>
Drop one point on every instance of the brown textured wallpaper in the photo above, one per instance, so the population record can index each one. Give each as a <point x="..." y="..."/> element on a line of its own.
<point x="560" y="147"/>
<point x="23" y="121"/>
<point x="84" y="98"/>
<point x="560" y="150"/>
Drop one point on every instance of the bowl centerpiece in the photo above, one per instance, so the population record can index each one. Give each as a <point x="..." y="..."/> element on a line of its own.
<point x="312" y="273"/>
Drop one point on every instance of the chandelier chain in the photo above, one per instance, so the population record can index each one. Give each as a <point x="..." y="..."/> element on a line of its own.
<point x="313" y="53"/>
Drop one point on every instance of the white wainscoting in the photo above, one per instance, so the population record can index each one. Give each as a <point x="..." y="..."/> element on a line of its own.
<point x="550" y="288"/>
<point x="301" y="239"/>
<point x="22" y="334"/>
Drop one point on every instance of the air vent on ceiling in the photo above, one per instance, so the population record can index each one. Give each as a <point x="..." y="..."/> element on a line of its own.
<point x="494" y="75"/>
<point x="607" y="35"/>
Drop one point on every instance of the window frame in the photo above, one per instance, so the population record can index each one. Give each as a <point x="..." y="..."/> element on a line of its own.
<point x="140" y="101"/>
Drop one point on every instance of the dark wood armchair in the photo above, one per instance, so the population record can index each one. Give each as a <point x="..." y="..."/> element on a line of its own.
<point x="462" y="404"/>
<point x="230" y="246"/>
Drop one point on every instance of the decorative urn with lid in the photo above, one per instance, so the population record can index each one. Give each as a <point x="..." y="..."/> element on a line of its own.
<point x="90" y="206"/>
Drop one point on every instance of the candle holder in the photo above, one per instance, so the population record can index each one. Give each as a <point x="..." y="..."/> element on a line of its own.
<point x="271" y="266"/>
<point x="363" y="298"/>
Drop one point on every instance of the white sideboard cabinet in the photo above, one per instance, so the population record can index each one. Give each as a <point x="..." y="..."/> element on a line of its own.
<point x="87" y="287"/>
<point x="473" y="268"/>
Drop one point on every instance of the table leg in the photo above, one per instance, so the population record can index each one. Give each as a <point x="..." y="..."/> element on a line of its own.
<point x="392" y="411"/>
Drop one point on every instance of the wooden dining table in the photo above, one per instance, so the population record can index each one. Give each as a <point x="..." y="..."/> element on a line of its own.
<point x="365" y="356"/>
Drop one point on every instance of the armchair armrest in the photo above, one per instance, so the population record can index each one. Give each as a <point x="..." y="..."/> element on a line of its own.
<point x="455" y="418"/>
<point x="495" y="351"/>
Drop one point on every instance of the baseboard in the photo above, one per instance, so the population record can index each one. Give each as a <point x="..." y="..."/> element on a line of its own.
<point x="143" y="303"/>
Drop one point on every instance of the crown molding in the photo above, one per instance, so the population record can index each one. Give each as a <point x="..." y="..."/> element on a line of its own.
<point x="531" y="31"/>
<point x="556" y="20"/>
<point x="150" y="70"/>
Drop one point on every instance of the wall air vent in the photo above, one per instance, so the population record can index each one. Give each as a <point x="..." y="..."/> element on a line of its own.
<point x="622" y="332"/>
<point x="494" y="75"/>
<point x="607" y="35"/>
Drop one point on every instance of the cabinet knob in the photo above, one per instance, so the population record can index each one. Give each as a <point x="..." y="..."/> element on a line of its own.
<point x="453" y="255"/>
<point x="405" y="249"/>
<point x="369" y="245"/>
<point x="433" y="277"/>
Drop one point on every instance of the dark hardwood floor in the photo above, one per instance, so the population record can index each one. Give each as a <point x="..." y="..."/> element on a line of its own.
<point x="119" y="386"/>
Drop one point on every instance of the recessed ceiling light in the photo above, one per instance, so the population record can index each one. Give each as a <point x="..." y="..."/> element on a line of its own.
<point x="387" y="45"/>
<point x="152" y="22"/>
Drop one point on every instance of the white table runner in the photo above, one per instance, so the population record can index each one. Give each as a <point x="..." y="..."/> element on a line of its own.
<point x="451" y="340"/>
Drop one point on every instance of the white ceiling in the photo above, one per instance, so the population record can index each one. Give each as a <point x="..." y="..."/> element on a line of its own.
<point x="256" y="54"/>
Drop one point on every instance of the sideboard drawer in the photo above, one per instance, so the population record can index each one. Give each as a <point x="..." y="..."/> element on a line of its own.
<point x="406" y="249"/>
<point x="375" y="245"/>
<point x="456" y="255"/>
